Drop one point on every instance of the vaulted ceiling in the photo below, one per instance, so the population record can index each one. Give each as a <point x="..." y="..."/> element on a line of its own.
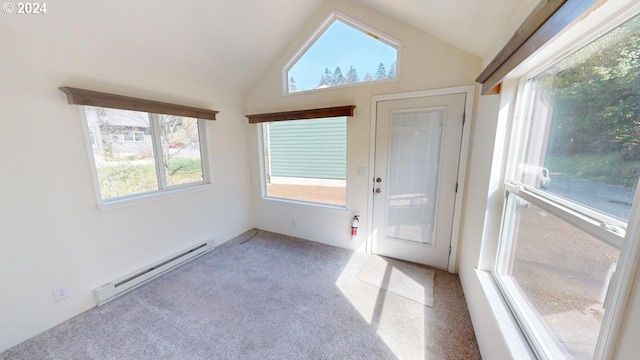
<point x="471" y="25"/>
<point x="230" y="43"/>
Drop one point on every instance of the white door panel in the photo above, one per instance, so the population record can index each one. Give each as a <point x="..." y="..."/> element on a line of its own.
<point x="416" y="166"/>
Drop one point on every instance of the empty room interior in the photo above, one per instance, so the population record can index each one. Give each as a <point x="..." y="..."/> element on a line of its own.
<point x="320" y="179"/>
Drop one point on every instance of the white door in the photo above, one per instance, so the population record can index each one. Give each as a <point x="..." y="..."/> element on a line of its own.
<point x="416" y="168"/>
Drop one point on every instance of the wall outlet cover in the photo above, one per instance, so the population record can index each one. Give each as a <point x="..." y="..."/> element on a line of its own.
<point x="61" y="293"/>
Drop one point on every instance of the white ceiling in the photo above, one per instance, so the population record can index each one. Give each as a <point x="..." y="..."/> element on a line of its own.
<point x="471" y="25"/>
<point x="230" y="43"/>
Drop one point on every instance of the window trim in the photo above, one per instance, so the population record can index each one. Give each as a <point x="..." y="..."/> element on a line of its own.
<point x="546" y="21"/>
<point x="315" y="35"/>
<point x="77" y="96"/>
<point x="320" y="113"/>
<point x="603" y="19"/>
<point x="568" y="214"/>
<point x="162" y="192"/>
<point x="534" y="331"/>
<point x="263" y="175"/>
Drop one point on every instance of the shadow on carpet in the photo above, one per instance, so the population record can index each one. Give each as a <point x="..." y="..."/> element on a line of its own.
<point x="271" y="297"/>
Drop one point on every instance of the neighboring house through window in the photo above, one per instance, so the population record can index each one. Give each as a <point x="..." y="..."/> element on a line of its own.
<point x="137" y="153"/>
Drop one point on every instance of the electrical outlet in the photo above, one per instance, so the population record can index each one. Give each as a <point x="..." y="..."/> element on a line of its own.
<point x="61" y="293"/>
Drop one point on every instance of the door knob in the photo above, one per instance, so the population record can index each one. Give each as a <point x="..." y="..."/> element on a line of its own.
<point x="378" y="180"/>
<point x="378" y="191"/>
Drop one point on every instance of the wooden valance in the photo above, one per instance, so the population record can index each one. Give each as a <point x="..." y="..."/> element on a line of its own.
<point x="546" y="21"/>
<point x="93" y="98"/>
<point x="303" y="114"/>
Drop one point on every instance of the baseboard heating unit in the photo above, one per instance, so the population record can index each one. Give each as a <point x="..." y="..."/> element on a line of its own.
<point x="112" y="290"/>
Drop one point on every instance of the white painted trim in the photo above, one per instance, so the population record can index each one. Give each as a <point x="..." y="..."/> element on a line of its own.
<point x="424" y="93"/>
<point x="462" y="165"/>
<point x="263" y="175"/>
<point x="370" y="183"/>
<point x="90" y="156"/>
<point x="144" y="198"/>
<point x="602" y="217"/>
<point x="537" y="329"/>
<point x="579" y="220"/>
<point x="538" y="332"/>
<point x="205" y="158"/>
<point x="509" y="329"/>
<point x="499" y="167"/>
<point x="317" y="33"/>
<point x="156" y="143"/>
<point x="617" y="298"/>
<point x="286" y="180"/>
<point x="304" y="204"/>
<point x="456" y="227"/>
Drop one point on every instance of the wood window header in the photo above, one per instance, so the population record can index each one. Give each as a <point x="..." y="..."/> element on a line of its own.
<point x="77" y="96"/>
<point x="303" y="114"/>
<point x="547" y="20"/>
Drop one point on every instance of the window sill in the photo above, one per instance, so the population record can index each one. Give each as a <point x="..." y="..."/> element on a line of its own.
<point x="305" y="204"/>
<point x="509" y="329"/>
<point x="146" y="198"/>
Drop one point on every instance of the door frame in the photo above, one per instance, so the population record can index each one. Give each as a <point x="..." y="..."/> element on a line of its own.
<point x="469" y="91"/>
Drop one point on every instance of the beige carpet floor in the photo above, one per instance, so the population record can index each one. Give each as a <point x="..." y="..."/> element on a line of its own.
<point x="408" y="280"/>
<point x="271" y="297"/>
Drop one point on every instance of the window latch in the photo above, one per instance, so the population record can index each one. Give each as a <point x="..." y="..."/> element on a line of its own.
<point x="614" y="229"/>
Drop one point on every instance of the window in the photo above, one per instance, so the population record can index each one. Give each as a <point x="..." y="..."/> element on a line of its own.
<point x="342" y="53"/>
<point x="137" y="153"/>
<point x="306" y="160"/>
<point x="575" y="165"/>
<point x="132" y="136"/>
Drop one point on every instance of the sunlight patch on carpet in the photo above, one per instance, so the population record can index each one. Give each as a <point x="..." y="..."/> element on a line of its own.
<point x="401" y="278"/>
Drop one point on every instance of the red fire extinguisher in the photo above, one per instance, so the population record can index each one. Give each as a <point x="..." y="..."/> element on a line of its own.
<point x="354" y="227"/>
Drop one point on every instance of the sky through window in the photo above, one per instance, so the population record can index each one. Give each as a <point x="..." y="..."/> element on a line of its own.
<point x="342" y="55"/>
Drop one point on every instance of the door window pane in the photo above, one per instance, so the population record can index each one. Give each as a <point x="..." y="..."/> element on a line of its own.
<point x="583" y="125"/>
<point x="414" y="157"/>
<point x="561" y="273"/>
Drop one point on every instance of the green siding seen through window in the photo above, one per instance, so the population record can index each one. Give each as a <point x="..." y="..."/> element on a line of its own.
<point x="308" y="148"/>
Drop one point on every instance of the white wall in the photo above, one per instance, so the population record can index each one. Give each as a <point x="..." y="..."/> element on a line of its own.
<point x="509" y="28"/>
<point x="425" y="63"/>
<point x="51" y="232"/>
<point x="490" y="322"/>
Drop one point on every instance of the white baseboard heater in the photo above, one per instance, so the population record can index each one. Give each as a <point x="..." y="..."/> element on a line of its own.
<point x="112" y="290"/>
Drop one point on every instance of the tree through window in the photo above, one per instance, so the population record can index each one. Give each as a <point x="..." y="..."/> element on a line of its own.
<point x="570" y="195"/>
<point x="342" y="53"/>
